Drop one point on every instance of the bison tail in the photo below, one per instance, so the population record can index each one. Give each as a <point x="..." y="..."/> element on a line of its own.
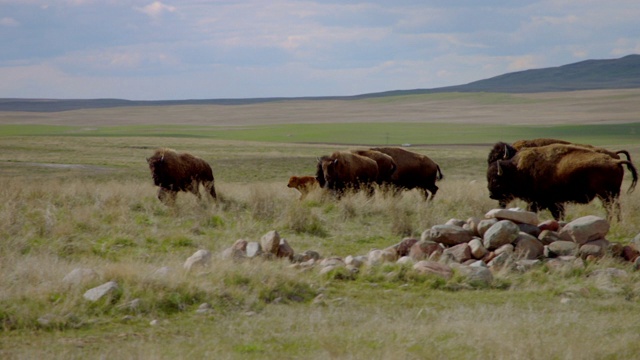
<point x="625" y="153"/>
<point x="634" y="174"/>
<point x="440" y="175"/>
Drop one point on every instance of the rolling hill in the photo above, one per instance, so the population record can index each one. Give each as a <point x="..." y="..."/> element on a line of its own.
<point x="621" y="73"/>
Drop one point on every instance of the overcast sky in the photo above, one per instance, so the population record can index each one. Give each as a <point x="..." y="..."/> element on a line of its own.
<point x="198" y="49"/>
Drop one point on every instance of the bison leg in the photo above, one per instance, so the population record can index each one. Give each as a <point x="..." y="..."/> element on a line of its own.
<point x="166" y="196"/>
<point x="194" y="188"/>
<point x="557" y="211"/>
<point x="211" y="189"/>
<point x="612" y="206"/>
<point x="433" y="189"/>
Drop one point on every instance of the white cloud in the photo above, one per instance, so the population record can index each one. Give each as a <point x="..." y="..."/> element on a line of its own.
<point x="9" y="22"/>
<point x="156" y="9"/>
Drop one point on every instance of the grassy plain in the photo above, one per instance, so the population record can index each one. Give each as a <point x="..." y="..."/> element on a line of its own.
<point x="79" y="195"/>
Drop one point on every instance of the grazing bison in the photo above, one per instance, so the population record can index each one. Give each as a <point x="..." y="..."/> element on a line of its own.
<point x="503" y="151"/>
<point x="174" y="172"/>
<point x="344" y="170"/>
<point x="549" y="176"/>
<point x="304" y="184"/>
<point x="386" y="165"/>
<point x="413" y="171"/>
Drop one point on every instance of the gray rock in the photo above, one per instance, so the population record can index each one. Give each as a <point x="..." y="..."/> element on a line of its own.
<point x="460" y="252"/>
<point x="585" y="229"/>
<point x="484" y="225"/>
<point x="80" y="276"/>
<point x="524" y="265"/>
<point x="253" y="249"/>
<point x="596" y="248"/>
<point x="476" y="275"/>
<point x="528" y="246"/>
<point x="423" y="249"/>
<point x="501" y="233"/>
<point x="270" y="242"/>
<point x="448" y="235"/>
<point x="199" y="258"/>
<point x="562" y="248"/>
<point x="455" y="222"/>
<point x="432" y="267"/>
<point x="546" y="237"/>
<point x="516" y="216"/>
<point x="99" y="292"/>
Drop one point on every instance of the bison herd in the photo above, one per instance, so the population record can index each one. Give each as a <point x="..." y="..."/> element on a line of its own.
<point x="545" y="173"/>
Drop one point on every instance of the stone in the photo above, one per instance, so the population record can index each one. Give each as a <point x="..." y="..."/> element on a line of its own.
<point x="240" y="245"/>
<point x="199" y="258"/>
<point x="502" y="232"/>
<point x="551" y="225"/>
<point x="423" y="249"/>
<point x="405" y="260"/>
<point x="529" y="229"/>
<point x="585" y="229"/>
<point x="162" y="272"/>
<point x="270" y="242"/>
<point x="455" y="222"/>
<point x="562" y="248"/>
<point x="80" y="276"/>
<point x="285" y="250"/>
<point x="432" y="267"/>
<point x="525" y="265"/>
<point x="478" y="251"/>
<point x="516" y="216"/>
<point x="233" y="253"/>
<point x="332" y="261"/>
<point x="476" y="275"/>
<point x="528" y="247"/>
<point x="500" y="260"/>
<point x="253" y="249"/>
<point x="310" y="254"/>
<point x="101" y="291"/>
<point x="546" y="237"/>
<point x="448" y="235"/>
<point x="629" y="253"/>
<point x="460" y="252"/>
<point x="472" y="224"/>
<point x="597" y="249"/>
<point x="506" y="248"/>
<point x="484" y="225"/>
<point x="403" y="247"/>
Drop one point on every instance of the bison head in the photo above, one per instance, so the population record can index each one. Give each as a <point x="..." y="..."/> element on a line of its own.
<point x="320" y="175"/>
<point x="294" y="181"/>
<point x="501" y="151"/>
<point x="501" y="181"/>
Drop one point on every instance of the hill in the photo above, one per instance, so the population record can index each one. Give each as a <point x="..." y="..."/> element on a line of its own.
<point x="622" y="73"/>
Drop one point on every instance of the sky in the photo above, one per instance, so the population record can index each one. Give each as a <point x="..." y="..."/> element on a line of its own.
<point x="199" y="49"/>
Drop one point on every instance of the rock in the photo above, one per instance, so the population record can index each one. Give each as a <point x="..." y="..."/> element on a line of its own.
<point x="356" y="261"/>
<point x="551" y="225"/>
<point x="253" y="249"/>
<point x="546" y="237"/>
<point x="484" y="225"/>
<point x="332" y="261"/>
<point x="629" y="253"/>
<point x="270" y="242"/>
<point x="506" y="248"/>
<point x="162" y="272"/>
<point x="240" y="245"/>
<point x="200" y="258"/>
<point x="585" y="229"/>
<point x="405" y="260"/>
<point x="595" y="249"/>
<point x="460" y="252"/>
<point x="524" y="265"/>
<point x="476" y="275"/>
<point x="502" y="232"/>
<point x="423" y="249"/>
<point x="478" y="251"/>
<point x="500" y="260"/>
<point x="285" y="250"/>
<point x="636" y="242"/>
<point x="233" y="253"/>
<point x="403" y="247"/>
<point x="80" y="276"/>
<point x="516" y="216"/>
<point x="455" y="222"/>
<point x="375" y="257"/>
<point x="204" y="308"/>
<point x="310" y="254"/>
<point x="99" y="292"/>
<point x="472" y="224"/>
<point x="562" y="248"/>
<point x="528" y="247"/>
<point x="432" y="267"/>
<point x="609" y="273"/>
<point x="448" y="235"/>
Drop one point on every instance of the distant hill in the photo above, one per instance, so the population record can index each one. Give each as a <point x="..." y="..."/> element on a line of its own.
<point x="622" y="73"/>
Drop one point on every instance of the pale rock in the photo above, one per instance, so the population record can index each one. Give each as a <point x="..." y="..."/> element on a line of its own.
<point x="472" y="224"/>
<point x="253" y="249"/>
<point x="270" y="242"/>
<point x="524" y="265"/>
<point x="562" y="248"/>
<point x="501" y="233"/>
<point x="199" y="258"/>
<point x="432" y="267"/>
<point x="484" y="225"/>
<point x="99" y="292"/>
<point x="455" y="222"/>
<point x="80" y="276"/>
<point x="597" y="248"/>
<point x="460" y="252"/>
<point x="405" y="260"/>
<point x="517" y="216"/>
<point x="448" y="235"/>
<point x="478" y="251"/>
<point x="585" y="229"/>
<point x="476" y="275"/>
<point x="528" y="246"/>
<point x="506" y="248"/>
<point x="546" y="237"/>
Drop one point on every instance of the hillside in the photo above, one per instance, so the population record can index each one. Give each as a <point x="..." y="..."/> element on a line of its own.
<point x="622" y="73"/>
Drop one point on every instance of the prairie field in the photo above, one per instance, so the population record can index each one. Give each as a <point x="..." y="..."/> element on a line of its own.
<point x="77" y="193"/>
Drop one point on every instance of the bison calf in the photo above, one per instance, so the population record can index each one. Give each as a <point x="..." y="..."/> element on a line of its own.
<point x="173" y="172"/>
<point x="304" y="184"/>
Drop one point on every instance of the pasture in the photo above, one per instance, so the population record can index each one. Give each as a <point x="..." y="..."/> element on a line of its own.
<point x="78" y="194"/>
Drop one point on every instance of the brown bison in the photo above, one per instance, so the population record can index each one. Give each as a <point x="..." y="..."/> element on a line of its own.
<point x="547" y="177"/>
<point x="304" y="184"/>
<point x="386" y="165"/>
<point x="505" y="151"/>
<point x="413" y="171"/>
<point x="173" y="172"/>
<point x="344" y="170"/>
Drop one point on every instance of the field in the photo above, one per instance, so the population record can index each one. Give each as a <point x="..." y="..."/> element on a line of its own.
<point x="77" y="194"/>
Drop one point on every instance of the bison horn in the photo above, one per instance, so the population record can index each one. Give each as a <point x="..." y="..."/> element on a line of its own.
<point x="506" y="152"/>
<point x="335" y="161"/>
<point x="499" y="168"/>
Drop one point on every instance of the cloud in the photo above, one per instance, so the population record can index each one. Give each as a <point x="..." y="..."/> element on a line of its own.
<point x="9" y="22"/>
<point x="156" y="9"/>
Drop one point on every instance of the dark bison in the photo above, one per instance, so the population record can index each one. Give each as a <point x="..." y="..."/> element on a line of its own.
<point x="304" y="184"/>
<point x="413" y="171"/>
<point x="386" y="165"/>
<point x="503" y="151"/>
<point x="547" y="177"/>
<point x="344" y="170"/>
<point x="173" y="172"/>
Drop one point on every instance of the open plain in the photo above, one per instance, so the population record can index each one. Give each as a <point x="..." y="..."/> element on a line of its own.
<point x="77" y="193"/>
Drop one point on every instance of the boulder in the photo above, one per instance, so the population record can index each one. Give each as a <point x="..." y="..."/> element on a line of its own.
<point x="478" y="251"/>
<point x="460" y="253"/>
<point x="476" y="275"/>
<point x="101" y="291"/>
<point x="270" y="242"/>
<point x="404" y="246"/>
<point x="448" y="235"/>
<point x="594" y="249"/>
<point x="423" y="249"/>
<point x="199" y="258"/>
<point x="561" y="248"/>
<point x="551" y="225"/>
<point x="585" y="229"/>
<point x="484" y="225"/>
<point x="285" y="250"/>
<point x="502" y="232"/>
<point x="516" y="216"/>
<point x="432" y="267"/>
<point x="546" y="237"/>
<point x="253" y="249"/>
<point x="528" y="247"/>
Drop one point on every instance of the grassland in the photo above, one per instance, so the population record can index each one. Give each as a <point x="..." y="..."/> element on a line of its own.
<point x="79" y="195"/>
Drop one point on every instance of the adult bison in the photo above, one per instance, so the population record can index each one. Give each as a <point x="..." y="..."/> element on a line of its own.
<point x="413" y="171"/>
<point x="173" y="172"/>
<point x="343" y="170"/>
<point x="304" y="184"/>
<point x="547" y="177"/>
<point x="386" y="165"/>
<point x="503" y="151"/>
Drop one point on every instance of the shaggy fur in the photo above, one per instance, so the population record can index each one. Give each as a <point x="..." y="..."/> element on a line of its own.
<point x="549" y="176"/>
<point x="344" y="170"/>
<point x="304" y="184"/>
<point x="413" y="171"/>
<point x="522" y="144"/>
<point x="173" y="172"/>
<point x="386" y="165"/>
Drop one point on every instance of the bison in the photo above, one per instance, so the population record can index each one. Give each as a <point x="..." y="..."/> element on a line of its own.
<point x="304" y="184"/>
<point x="344" y="170"/>
<point x="505" y="151"/>
<point x="413" y="171"/>
<point x="547" y="177"/>
<point x="173" y="172"/>
<point x="386" y="165"/>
